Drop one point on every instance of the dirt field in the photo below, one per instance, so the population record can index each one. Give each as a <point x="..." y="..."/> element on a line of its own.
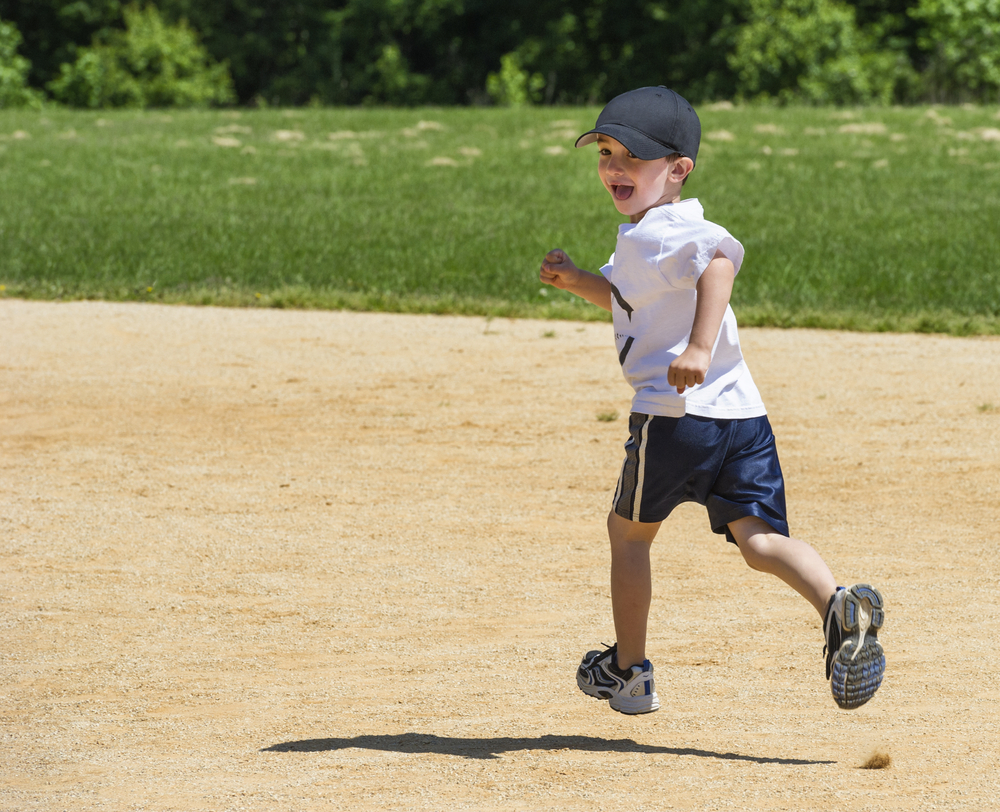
<point x="266" y="560"/>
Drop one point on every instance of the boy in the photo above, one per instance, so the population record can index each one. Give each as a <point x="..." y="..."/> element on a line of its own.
<point x="698" y="428"/>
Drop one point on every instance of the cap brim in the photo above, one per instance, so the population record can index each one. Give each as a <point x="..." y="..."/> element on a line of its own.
<point x="639" y="144"/>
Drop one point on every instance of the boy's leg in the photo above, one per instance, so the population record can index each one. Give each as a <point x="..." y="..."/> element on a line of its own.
<point x="622" y="674"/>
<point x="791" y="560"/>
<point x="631" y="585"/>
<point x="855" y="662"/>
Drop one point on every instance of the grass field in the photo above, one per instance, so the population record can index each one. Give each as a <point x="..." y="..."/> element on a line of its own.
<point x="870" y="219"/>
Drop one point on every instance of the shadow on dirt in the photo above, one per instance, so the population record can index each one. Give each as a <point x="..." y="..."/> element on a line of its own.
<point x="491" y="747"/>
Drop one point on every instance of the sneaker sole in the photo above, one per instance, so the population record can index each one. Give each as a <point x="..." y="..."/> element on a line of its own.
<point x="630" y="705"/>
<point x="859" y="665"/>
<point x="634" y="705"/>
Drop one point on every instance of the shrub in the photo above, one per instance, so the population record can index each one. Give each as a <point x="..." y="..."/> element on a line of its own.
<point x="14" y="91"/>
<point x="392" y="82"/>
<point x="149" y="64"/>
<point x="963" y="43"/>
<point x="813" y="50"/>
<point x="512" y="85"/>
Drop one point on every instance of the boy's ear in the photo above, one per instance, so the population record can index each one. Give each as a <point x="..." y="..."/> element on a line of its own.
<point x="681" y="168"/>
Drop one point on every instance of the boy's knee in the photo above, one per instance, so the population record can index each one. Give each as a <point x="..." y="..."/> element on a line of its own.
<point x="754" y="549"/>
<point x="755" y="538"/>
<point x="623" y="531"/>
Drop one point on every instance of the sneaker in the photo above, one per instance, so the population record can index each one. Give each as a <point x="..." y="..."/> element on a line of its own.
<point x="855" y="661"/>
<point x="629" y="690"/>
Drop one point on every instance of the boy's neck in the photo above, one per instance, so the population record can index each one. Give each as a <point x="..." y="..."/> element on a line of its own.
<point x="666" y="200"/>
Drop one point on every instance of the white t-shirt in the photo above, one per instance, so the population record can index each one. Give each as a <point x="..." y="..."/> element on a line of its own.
<point x="654" y="271"/>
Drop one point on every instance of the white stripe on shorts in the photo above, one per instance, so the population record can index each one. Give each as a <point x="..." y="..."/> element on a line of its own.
<point x="641" y="470"/>
<point x="632" y="476"/>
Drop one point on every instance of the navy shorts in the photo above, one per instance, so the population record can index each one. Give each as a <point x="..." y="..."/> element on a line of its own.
<point x="730" y="466"/>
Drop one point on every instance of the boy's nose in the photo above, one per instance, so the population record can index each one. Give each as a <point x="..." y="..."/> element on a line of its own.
<point x="614" y="166"/>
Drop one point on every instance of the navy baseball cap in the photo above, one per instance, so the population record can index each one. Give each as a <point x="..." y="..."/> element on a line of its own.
<point x="651" y="122"/>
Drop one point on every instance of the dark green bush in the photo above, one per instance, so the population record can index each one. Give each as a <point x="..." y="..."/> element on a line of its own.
<point x="149" y="64"/>
<point x="962" y="40"/>
<point x="14" y="90"/>
<point x="457" y="52"/>
<point x="814" y="51"/>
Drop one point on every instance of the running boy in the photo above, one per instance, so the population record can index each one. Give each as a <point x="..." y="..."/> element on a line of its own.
<point x="698" y="429"/>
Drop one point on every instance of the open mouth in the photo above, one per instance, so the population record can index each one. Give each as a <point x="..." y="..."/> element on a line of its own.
<point x="622" y="192"/>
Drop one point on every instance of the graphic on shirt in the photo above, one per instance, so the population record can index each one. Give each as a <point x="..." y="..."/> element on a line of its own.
<point x="619" y="336"/>
<point x="621" y="301"/>
<point x="625" y="349"/>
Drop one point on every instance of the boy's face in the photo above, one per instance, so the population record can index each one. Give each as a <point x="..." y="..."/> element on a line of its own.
<point x="635" y="185"/>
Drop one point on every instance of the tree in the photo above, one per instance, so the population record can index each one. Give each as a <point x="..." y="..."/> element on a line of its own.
<point x="813" y="50"/>
<point x="14" y="91"/>
<point x="415" y="52"/>
<point x="348" y="52"/>
<point x="53" y="30"/>
<point x="962" y="40"/>
<point x="149" y="64"/>
<point x="591" y="52"/>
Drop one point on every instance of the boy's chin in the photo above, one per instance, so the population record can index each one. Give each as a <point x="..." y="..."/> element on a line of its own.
<point x="627" y="207"/>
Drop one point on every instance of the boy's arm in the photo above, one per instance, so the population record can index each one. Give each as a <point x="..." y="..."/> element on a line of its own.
<point x="559" y="271"/>
<point x="714" y="289"/>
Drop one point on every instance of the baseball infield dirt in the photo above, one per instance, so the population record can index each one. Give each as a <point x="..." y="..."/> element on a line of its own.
<point x="271" y="560"/>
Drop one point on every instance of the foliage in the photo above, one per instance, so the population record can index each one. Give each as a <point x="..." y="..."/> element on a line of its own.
<point x="53" y="30"/>
<point x="406" y="52"/>
<point x="586" y="54"/>
<point x="459" y="52"/>
<point x="14" y="91"/>
<point x="150" y="64"/>
<point x="512" y="85"/>
<point x="418" y="51"/>
<point x="962" y="38"/>
<point x="813" y="50"/>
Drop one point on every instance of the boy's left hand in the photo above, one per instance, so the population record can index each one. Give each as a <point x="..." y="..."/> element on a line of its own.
<point x="689" y="368"/>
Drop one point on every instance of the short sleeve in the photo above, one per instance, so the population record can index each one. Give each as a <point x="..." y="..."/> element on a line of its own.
<point x="685" y="254"/>
<point x="605" y="270"/>
<point x="733" y="250"/>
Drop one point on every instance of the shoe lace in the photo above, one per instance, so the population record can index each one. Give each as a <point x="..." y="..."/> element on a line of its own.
<point x="609" y="651"/>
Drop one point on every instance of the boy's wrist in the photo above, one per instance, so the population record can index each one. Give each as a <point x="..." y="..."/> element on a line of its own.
<point x="699" y="346"/>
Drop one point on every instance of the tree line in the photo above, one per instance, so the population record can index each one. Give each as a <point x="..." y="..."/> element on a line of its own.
<point x="107" y="53"/>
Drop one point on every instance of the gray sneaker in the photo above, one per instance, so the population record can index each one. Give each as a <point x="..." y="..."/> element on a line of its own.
<point x="628" y="690"/>
<point x="855" y="662"/>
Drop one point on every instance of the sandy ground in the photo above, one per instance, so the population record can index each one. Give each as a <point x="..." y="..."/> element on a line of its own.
<point x="267" y="560"/>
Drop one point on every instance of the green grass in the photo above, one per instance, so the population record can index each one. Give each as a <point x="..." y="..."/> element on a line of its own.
<point x="868" y="219"/>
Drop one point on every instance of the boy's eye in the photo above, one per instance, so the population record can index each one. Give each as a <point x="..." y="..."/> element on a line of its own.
<point x="630" y="155"/>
